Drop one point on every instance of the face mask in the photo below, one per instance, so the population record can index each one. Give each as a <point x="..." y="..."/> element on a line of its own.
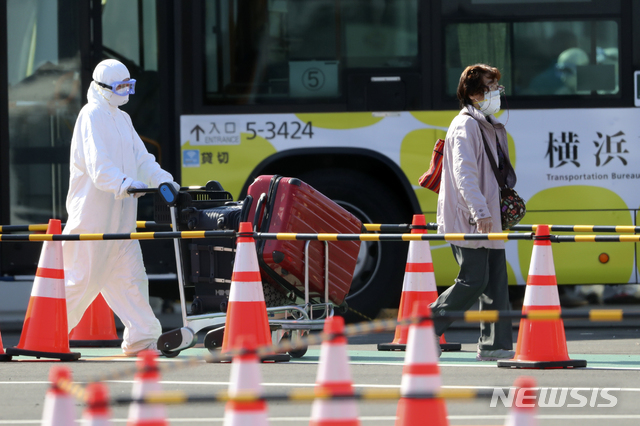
<point x="116" y="101"/>
<point x="491" y="103"/>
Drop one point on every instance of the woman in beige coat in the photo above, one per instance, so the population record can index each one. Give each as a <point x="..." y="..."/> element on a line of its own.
<point x="469" y="202"/>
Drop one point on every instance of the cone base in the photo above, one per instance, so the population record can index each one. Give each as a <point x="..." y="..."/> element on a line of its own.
<point x="571" y="363"/>
<point x="411" y="412"/>
<point x="5" y="357"/>
<point x="112" y="343"/>
<point x="68" y="356"/>
<point x="446" y="347"/>
<point x="392" y="347"/>
<point x="451" y="347"/>
<point x="263" y="358"/>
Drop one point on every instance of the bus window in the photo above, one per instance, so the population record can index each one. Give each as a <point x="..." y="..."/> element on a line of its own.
<point x="467" y="44"/>
<point x="561" y="58"/>
<point x="43" y="69"/>
<point x="539" y="58"/>
<point x="380" y="34"/>
<point x="265" y="52"/>
<point x="129" y="34"/>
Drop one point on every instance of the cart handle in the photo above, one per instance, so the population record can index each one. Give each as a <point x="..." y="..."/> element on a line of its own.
<point x="260" y="206"/>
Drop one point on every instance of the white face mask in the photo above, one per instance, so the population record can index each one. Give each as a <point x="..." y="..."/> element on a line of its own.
<point x="491" y="103"/>
<point x="116" y="100"/>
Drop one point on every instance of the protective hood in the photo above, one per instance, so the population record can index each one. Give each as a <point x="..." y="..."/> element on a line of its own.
<point x="107" y="72"/>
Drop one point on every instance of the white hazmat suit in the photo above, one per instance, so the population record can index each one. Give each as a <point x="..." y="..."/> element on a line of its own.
<point x="107" y="158"/>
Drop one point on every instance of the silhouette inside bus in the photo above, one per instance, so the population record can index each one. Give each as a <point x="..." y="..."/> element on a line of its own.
<point x="567" y="70"/>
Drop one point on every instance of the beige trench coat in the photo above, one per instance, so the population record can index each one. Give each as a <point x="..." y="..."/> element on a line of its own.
<point x="469" y="190"/>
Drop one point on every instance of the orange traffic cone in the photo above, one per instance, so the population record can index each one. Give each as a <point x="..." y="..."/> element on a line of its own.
<point x="45" y="332"/>
<point x="541" y="343"/>
<point x="147" y="379"/>
<point x="246" y="378"/>
<point x="59" y="406"/>
<point x="334" y="377"/>
<point x="247" y="311"/>
<point x="523" y="411"/>
<point x="421" y="374"/>
<point x="3" y="355"/>
<point x="97" y="328"/>
<point x="419" y="284"/>
<point x="97" y="412"/>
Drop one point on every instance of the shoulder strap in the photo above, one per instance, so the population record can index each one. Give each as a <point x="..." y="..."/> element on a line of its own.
<point x="498" y="175"/>
<point x="499" y="178"/>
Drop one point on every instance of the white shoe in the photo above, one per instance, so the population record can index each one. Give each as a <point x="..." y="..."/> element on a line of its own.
<point x="152" y="347"/>
<point x="494" y="354"/>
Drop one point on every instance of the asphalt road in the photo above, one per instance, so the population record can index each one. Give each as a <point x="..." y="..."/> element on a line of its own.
<point x="612" y="353"/>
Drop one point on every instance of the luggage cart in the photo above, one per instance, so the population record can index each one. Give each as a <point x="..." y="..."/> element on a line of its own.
<point x="287" y="321"/>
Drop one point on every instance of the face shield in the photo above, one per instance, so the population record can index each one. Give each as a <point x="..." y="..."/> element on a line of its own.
<point x="120" y="88"/>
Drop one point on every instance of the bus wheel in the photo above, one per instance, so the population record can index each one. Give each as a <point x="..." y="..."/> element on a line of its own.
<point x="377" y="281"/>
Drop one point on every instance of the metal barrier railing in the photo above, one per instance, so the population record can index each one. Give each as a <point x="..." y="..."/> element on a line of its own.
<point x="376" y="326"/>
<point x="373" y="227"/>
<point x="301" y="395"/>
<point x="320" y="237"/>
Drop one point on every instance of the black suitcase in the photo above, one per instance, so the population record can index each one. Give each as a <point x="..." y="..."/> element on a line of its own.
<point x="207" y="262"/>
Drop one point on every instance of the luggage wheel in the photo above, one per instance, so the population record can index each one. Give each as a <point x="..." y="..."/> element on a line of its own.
<point x="174" y="341"/>
<point x="170" y="354"/>
<point x="213" y="339"/>
<point x="299" y="351"/>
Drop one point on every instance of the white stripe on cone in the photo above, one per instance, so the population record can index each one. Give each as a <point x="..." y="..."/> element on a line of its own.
<point x="419" y="281"/>
<point x="51" y="255"/>
<point x="421" y="350"/>
<point x="334" y="372"/>
<point x="245" y="377"/>
<point x="419" y="252"/>
<point x="245" y="262"/>
<point x="50" y="258"/>
<point x="48" y="287"/>
<point x="541" y="295"/>
<point x="421" y="346"/>
<point x="412" y="383"/>
<point x="59" y="410"/>
<point x="242" y="291"/>
<point x="145" y="412"/>
<point x="542" y="261"/>
<point x="245" y="418"/>
<point x="333" y="410"/>
<point x="521" y="418"/>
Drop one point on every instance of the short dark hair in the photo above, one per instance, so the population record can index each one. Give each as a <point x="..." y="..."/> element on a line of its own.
<point x="471" y="81"/>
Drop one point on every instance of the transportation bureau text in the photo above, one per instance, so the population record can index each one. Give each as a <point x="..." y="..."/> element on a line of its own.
<point x="593" y="176"/>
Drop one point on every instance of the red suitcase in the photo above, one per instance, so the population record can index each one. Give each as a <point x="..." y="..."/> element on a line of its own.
<point x="292" y="206"/>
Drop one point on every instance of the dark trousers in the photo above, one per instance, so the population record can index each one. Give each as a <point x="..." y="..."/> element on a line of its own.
<point x="483" y="275"/>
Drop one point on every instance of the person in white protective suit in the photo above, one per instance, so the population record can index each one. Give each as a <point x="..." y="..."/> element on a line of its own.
<point x="108" y="158"/>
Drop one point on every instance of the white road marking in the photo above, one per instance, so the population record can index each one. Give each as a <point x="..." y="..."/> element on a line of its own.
<point x="373" y="418"/>
<point x="296" y="385"/>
